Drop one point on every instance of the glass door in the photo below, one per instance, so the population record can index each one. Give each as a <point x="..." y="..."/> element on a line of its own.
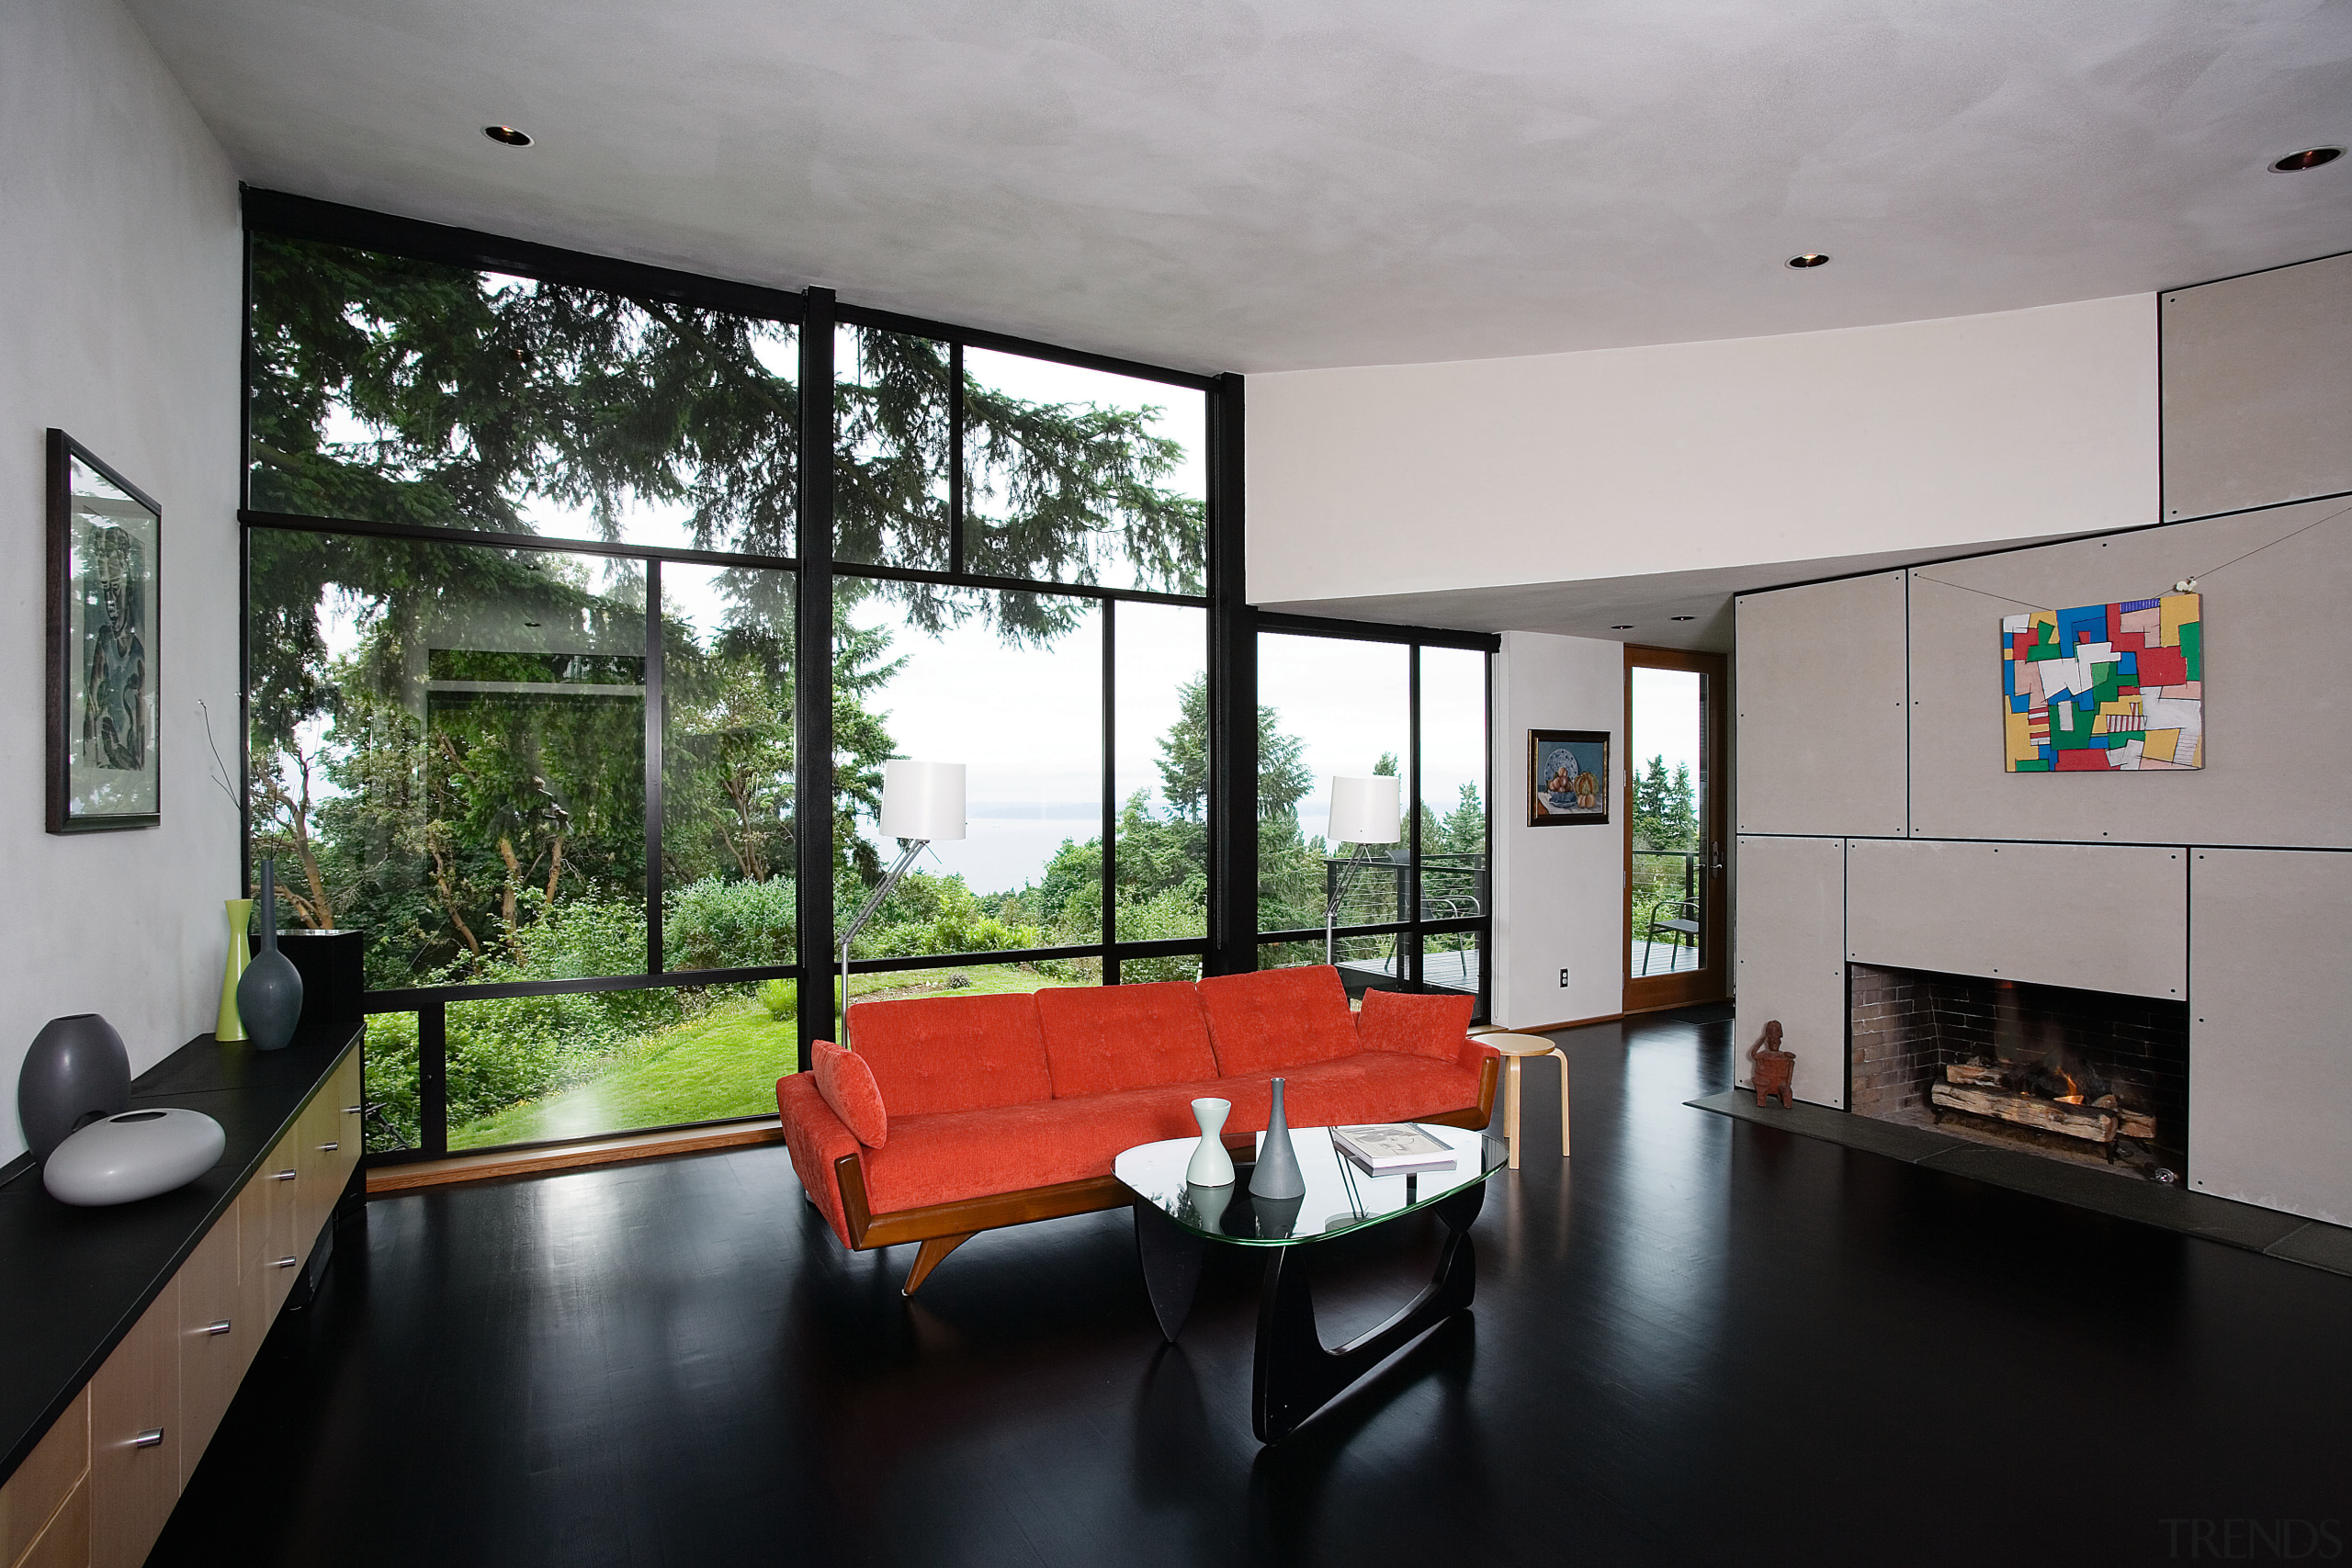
<point x="1674" y="847"/>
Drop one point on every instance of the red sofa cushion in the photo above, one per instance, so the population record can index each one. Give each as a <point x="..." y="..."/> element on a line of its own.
<point x="933" y="1053"/>
<point x="1373" y="1085"/>
<point x="848" y="1085"/>
<point x="1103" y="1039"/>
<point x="1278" y="1018"/>
<point x="1007" y="1148"/>
<point x="1424" y="1025"/>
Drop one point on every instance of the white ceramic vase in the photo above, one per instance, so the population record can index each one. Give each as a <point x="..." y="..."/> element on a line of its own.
<point x="1211" y="1167"/>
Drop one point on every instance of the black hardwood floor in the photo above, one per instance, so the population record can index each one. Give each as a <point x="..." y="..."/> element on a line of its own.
<point x="1699" y="1341"/>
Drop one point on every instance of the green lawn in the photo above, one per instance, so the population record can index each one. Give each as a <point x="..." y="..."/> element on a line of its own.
<point x="720" y="1064"/>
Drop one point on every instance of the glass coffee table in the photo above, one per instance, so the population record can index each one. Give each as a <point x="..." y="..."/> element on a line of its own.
<point x="1296" y="1375"/>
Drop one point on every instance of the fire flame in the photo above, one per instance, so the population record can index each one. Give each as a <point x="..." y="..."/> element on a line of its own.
<point x="2074" y="1094"/>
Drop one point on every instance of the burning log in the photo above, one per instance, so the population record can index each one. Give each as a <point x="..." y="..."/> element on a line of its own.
<point x="1985" y="1076"/>
<point x="2088" y="1122"/>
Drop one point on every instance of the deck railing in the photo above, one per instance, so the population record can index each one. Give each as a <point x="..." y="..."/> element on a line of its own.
<point x="1378" y="891"/>
<point x="1689" y="859"/>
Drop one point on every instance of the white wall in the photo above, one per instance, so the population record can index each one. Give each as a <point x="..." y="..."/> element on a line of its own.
<point x="119" y="286"/>
<point x="1559" y="893"/>
<point x="1625" y="462"/>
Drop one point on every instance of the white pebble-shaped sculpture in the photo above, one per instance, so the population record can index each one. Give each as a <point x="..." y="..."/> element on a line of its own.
<point x="135" y="1155"/>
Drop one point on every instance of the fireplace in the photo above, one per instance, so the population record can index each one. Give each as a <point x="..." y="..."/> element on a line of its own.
<point x="2086" y="1077"/>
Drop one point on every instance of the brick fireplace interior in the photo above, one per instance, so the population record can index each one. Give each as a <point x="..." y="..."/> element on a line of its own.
<point x="2086" y="1077"/>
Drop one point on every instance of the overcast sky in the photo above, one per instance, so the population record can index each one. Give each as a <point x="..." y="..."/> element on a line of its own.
<point x="1666" y="718"/>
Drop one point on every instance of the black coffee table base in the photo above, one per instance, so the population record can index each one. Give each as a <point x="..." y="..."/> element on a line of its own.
<point x="1295" y="1376"/>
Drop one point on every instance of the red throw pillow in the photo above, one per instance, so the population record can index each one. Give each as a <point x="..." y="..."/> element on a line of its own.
<point x="1418" y="1025"/>
<point x="848" y="1085"/>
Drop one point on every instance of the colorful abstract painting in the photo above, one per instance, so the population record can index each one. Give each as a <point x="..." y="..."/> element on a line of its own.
<point x="2103" y="687"/>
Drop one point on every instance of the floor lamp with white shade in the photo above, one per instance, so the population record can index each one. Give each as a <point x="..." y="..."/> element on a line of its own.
<point x="920" y="802"/>
<point x="1364" y="812"/>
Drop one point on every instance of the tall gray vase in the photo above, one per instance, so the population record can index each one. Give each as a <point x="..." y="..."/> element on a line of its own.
<point x="1277" y="1175"/>
<point x="269" y="997"/>
<point x="76" y="1073"/>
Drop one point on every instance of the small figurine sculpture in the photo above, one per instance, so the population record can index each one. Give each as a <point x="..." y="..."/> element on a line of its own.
<point x="1774" y="1066"/>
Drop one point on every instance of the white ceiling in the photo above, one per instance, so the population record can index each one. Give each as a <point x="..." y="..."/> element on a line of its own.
<point x="1235" y="186"/>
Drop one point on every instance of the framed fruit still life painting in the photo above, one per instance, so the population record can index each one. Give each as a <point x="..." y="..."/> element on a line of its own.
<point x="103" y="586"/>
<point x="1567" y="777"/>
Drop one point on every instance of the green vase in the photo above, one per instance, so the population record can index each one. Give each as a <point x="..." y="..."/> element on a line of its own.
<point x="241" y="915"/>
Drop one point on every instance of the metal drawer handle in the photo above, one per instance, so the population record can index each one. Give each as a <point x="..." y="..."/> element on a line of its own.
<point x="288" y="1262"/>
<point x="150" y="1438"/>
<point x="352" y="1109"/>
<point x="281" y="1176"/>
<point x="220" y="1327"/>
<point x="329" y="1148"/>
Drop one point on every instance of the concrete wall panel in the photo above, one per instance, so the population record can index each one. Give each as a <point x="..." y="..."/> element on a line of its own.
<point x="2098" y="917"/>
<point x="2271" y="1054"/>
<point x="1823" y="748"/>
<point x="2277" y="727"/>
<point x="1791" y="964"/>
<point x="2258" y="389"/>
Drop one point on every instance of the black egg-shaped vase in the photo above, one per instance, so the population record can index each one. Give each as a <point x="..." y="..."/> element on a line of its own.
<point x="76" y="1073"/>
<point x="269" y="1000"/>
<point x="269" y="995"/>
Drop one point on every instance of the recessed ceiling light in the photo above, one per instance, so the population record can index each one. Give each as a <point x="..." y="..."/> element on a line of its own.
<point x="507" y="134"/>
<point x="1810" y="258"/>
<point x="2309" y="158"/>
<point x="1682" y="617"/>
<point x="1626" y="627"/>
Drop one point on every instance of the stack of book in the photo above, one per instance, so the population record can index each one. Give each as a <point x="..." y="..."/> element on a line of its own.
<point x="1392" y="1149"/>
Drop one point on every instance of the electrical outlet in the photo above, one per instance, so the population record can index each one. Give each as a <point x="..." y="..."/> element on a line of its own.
<point x="1564" y="979"/>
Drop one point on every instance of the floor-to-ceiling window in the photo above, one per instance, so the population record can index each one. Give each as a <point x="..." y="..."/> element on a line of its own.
<point x="535" y="630"/>
<point x="1354" y="702"/>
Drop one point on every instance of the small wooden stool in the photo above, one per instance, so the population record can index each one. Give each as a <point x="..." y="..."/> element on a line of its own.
<point x="1516" y="1048"/>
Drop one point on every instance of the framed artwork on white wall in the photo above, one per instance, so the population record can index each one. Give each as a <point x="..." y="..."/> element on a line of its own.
<point x="1567" y="777"/>
<point x="105" y="593"/>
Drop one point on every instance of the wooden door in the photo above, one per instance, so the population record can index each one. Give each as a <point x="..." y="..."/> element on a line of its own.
<point x="1675" y="924"/>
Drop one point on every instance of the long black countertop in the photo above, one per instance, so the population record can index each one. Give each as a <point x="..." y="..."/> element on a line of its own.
<point x="74" y="1281"/>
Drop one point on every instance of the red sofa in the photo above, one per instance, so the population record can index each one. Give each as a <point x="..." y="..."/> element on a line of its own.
<point x="957" y="1115"/>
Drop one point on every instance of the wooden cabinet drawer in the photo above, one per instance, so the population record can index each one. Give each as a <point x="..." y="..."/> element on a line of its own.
<point x="218" y="1334"/>
<point x="330" y="1147"/>
<point x="278" y="1251"/>
<point x="66" y="1542"/>
<point x="44" y="1483"/>
<point x="135" y="1437"/>
<point x="348" y="1091"/>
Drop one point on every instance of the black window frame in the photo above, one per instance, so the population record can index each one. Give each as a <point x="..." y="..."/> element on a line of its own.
<point x="1416" y="926"/>
<point x="814" y="312"/>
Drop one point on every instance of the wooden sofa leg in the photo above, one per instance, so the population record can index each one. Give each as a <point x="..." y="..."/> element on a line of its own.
<point x="929" y="1257"/>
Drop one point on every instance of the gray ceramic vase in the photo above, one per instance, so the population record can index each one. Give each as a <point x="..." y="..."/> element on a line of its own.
<point x="269" y="997"/>
<point x="76" y="1073"/>
<point x="1277" y="1175"/>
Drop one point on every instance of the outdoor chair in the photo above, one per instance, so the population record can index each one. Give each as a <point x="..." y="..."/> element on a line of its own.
<point x="1683" y="922"/>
